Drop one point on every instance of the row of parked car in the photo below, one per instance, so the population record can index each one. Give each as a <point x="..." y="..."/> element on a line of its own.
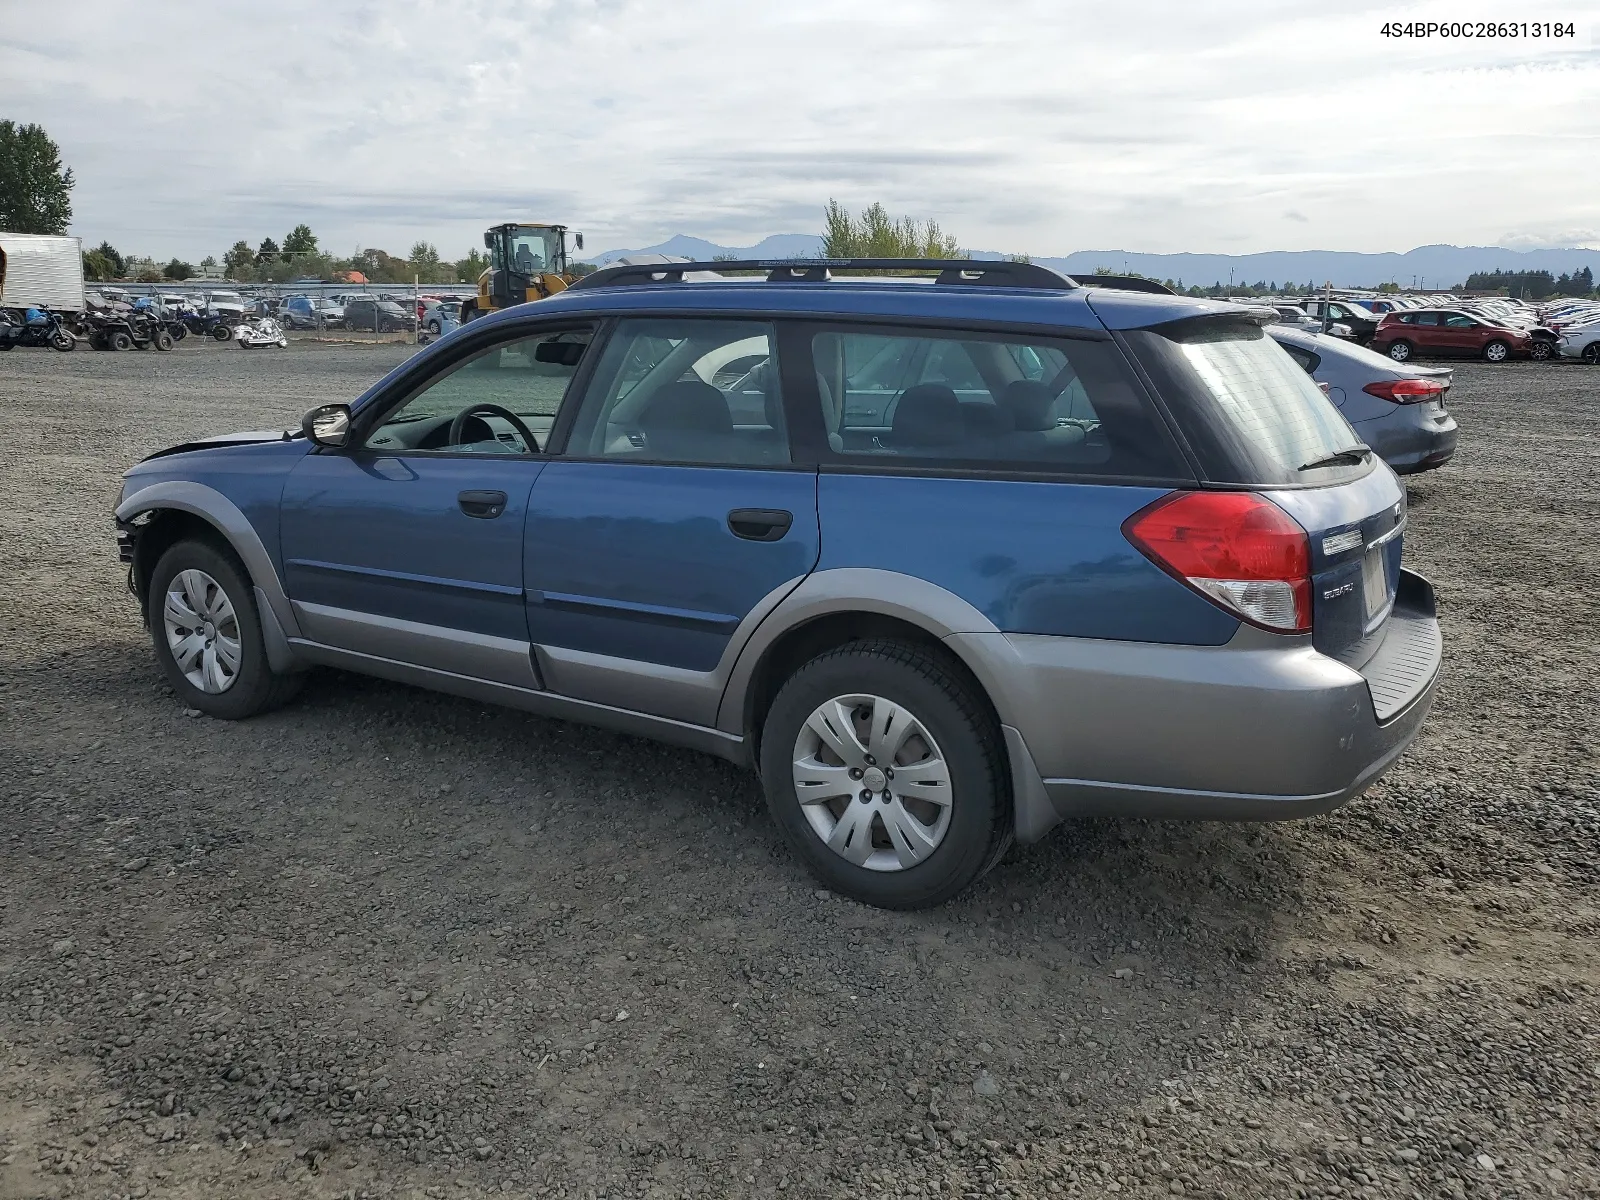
<point x="1492" y="328"/>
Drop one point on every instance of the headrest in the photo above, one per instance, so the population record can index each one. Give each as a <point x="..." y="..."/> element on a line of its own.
<point x="1028" y="402"/>
<point x="928" y="415"/>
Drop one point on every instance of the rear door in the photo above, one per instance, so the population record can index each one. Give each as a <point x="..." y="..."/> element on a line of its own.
<point x="672" y="520"/>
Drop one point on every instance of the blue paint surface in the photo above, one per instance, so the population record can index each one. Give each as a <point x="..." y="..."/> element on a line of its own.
<point x="1032" y="557"/>
<point x="641" y="561"/>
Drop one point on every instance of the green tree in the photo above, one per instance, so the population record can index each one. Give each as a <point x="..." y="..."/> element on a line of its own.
<point x="469" y="268"/>
<point x="874" y="234"/>
<point x="268" y="252"/>
<point x="239" y="262"/>
<point x="97" y="266"/>
<point x="119" y="266"/>
<point x="427" y="266"/>
<point x="177" y="270"/>
<point x="208" y="261"/>
<point x="35" y="191"/>
<point x="300" y="241"/>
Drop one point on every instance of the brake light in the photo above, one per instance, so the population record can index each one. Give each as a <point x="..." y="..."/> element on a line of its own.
<point x="1237" y="549"/>
<point x="1405" y="391"/>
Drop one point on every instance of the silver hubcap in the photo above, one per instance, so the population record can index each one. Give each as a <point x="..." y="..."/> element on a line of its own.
<point x="872" y="782"/>
<point x="202" y="631"/>
<point x="1496" y="353"/>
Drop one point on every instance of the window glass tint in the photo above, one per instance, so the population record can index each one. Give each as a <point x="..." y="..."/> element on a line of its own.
<point x="1459" y="322"/>
<point x="1307" y="360"/>
<point x="1427" y="318"/>
<point x="1251" y="414"/>
<point x="696" y="391"/>
<point x="951" y="398"/>
<point x="491" y="403"/>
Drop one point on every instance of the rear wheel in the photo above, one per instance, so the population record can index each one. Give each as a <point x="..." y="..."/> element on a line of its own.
<point x="1496" y="352"/>
<point x="119" y="341"/>
<point x="222" y="333"/>
<point x="163" y="340"/>
<point x="1591" y="354"/>
<point x="207" y="634"/>
<point x="1400" y="351"/>
<point x="885" y="773"/>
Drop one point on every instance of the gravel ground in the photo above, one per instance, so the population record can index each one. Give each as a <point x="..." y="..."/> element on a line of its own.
<point x="387" y="943"/>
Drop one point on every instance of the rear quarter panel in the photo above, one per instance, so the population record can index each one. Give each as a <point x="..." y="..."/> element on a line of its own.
<point x="1033" y="557"/>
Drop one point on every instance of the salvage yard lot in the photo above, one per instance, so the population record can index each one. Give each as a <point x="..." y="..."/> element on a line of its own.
<point x="394" y="943"/>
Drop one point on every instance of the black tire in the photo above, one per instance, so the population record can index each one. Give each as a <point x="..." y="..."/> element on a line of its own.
<point x="1400" y="351"/>
<point x="433" y="328"/>
<point x="1591" y="354"/>
<point x="222" y="333"/>
<point x="257" y="688"/>
<point x="6" y="344"/>
<point x="119" y="340"/>
<point x="1496" y="351"/>
<point x="967" y="735"/>
<point x="63" y="341"/>
<point x="1540" y="351"/>
<point x="163" y="341"/>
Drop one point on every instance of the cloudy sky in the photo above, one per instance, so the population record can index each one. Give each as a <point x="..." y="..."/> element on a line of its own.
<point x="1043" y="127"/>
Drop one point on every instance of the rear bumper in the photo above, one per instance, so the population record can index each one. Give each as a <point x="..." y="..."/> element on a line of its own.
<point x="1411" y="439"/>
<point x="1264" y="728"/>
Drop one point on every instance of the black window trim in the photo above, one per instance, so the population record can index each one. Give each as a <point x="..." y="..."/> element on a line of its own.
<point x="809" y="442"/>
<point x="426" y="370"/>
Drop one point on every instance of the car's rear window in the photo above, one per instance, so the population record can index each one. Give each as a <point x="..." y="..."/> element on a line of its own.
<point x="1250" y="412"/>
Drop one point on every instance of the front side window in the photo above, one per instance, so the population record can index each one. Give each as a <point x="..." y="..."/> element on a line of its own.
<point x="500" y="401"/>
<point x="685" y="390"/>
<point x="942" y="398"/>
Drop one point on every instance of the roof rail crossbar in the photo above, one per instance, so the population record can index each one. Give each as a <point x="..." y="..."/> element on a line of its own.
<point x="1001" y="273"/>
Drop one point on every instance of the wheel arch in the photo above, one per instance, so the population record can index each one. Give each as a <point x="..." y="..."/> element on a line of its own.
<point x="171" y="509"/>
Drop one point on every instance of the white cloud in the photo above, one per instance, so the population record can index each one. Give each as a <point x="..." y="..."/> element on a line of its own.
<point x="1019" y="125"/>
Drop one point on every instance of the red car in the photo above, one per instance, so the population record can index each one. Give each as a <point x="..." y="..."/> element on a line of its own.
<point x="1443" y="332"/>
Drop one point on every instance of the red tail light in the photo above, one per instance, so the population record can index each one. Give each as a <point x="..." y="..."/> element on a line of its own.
<point x="1406" y="391"/>
<point x="1238" y="550"/>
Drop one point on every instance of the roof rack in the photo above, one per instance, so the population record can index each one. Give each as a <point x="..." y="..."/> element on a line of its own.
<point x="997" y="273"/>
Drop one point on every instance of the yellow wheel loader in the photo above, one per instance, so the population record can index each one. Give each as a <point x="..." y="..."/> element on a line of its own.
<point x="526" y="262"/>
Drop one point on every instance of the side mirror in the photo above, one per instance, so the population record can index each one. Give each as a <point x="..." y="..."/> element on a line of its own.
<point x="577" y="240"/>
<point x="328" y="425"/>
<point x="488" y="240"/>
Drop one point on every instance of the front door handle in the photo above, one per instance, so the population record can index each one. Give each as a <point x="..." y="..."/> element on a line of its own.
<point x="760" y="524"/>
<point x="482" y="504"/>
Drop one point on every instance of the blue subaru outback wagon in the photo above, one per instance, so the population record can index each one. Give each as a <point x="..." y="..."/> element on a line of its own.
<point x="946" y="558"/>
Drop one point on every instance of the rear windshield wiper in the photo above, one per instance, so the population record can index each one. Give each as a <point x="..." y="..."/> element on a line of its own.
<point x="1349" y="455"/>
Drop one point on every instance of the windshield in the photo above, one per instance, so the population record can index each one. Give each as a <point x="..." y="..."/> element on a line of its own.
<point x="536" y="250"/>
<point x="1251" y="413"/>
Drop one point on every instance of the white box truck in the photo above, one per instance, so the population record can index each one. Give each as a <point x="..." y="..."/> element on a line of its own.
<point x="37" y="271"/>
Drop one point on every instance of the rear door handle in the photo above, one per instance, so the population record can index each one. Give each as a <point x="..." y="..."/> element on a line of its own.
<point x="760" y="524"/>
<point x="482" y="504"/>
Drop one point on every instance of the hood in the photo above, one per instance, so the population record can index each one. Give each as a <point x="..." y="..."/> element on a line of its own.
<point x="246" y="438"/>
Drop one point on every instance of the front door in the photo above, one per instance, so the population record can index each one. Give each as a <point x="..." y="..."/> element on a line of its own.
<point x="672" y="519"/>
<point x="408" y="546"/>
<point x="1463" y="335"/>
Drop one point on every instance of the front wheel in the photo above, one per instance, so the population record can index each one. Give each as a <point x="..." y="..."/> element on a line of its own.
<point x="63" y="341"/>
<point x="1400" y="351"/>
<point x="207" y="634"/>
<point x="163" y="341"/>
<point x="1591" y="354"/>
<point x="1540" y="351"/>
<point x="885" y="773"/>
<point x="222" y="333"/>
<point x="1496" y="352"/>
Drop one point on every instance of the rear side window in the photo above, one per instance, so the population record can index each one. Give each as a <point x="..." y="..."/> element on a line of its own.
<point x="940" y="398"/>
<point x="1251" y="414"/>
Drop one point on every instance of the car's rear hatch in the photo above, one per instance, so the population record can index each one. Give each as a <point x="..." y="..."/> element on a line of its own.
<point x="1253" y="419"/>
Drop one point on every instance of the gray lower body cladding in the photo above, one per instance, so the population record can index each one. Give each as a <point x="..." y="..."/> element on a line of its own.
<point x="1264" y="728"/>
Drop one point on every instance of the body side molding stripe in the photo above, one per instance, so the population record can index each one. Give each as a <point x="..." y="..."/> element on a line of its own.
<point x="466" y="585"/>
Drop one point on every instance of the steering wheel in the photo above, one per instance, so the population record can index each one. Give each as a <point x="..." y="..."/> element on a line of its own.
<point x="459" y="425"/>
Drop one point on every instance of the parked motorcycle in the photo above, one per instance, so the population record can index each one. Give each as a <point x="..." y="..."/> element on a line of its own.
<point x="260" y="331"/>
<point x="37" y="327"/>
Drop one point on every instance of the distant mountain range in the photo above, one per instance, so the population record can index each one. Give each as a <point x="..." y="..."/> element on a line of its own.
<point x="1426" y="266"/>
